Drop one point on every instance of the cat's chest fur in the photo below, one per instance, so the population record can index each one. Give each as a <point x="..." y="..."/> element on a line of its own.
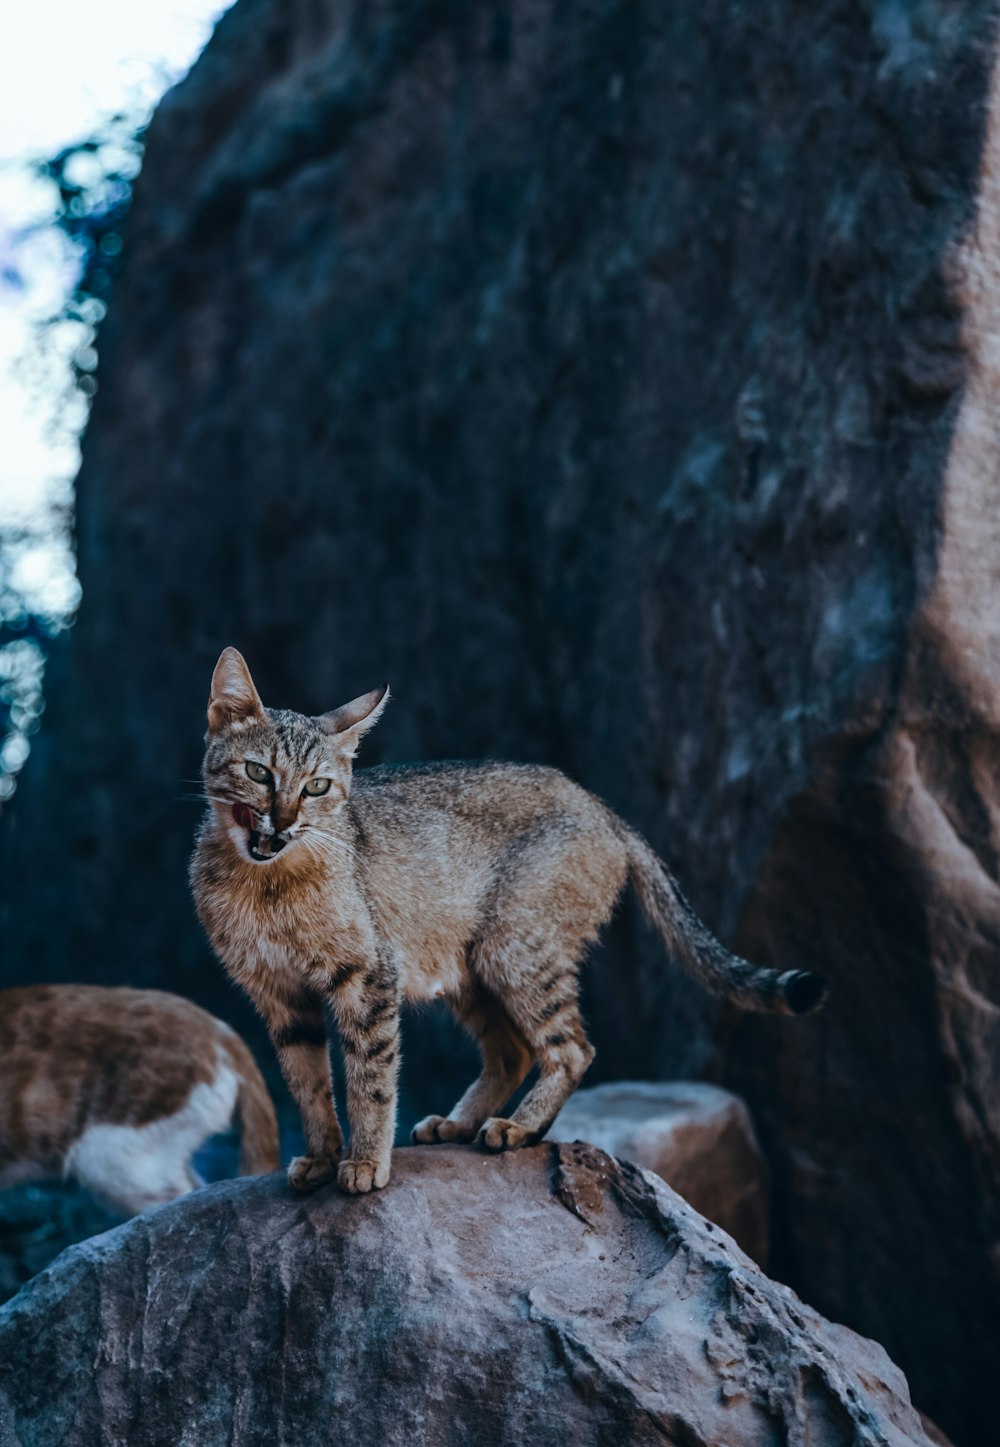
<point x="276" y="921"/>
<point x="267" y="925"/>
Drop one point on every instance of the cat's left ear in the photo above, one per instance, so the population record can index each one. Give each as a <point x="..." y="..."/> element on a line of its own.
<point x="353" y="719"/>
<point x="233" y="698"/>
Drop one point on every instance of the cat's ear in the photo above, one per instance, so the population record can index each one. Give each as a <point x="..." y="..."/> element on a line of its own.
<point x="353" y="719"/>
<point x="233" y="699"/>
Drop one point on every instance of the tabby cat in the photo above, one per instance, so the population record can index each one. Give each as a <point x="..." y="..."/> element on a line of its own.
<point x="480" y="884"/>
<point x="117" y="1088"/>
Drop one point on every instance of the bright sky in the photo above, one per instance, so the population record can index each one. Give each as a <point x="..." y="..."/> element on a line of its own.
<point x="65" y="66"/>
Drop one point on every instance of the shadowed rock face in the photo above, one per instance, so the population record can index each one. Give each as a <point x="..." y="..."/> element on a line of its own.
<point x="615" y="379"/>
<point x="548" y="1296"/>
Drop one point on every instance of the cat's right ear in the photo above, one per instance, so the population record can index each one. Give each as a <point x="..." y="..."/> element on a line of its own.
<point x="233" y="699"/>
<point x="353" y="719"/>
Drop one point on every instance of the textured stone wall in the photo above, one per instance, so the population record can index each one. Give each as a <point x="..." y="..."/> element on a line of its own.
<point x="616" y="380"/>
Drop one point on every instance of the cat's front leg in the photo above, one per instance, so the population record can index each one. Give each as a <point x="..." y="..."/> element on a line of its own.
<point x="367" y="1009"/>
<point x="297" y="1027"/>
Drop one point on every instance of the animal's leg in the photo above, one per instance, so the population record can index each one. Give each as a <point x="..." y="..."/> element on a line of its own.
<point x="547" y="1014"/>
<point x="549" y="904"/>
<point x="367" y="1009"/>
<point x="298" y="1030"/>
<point x="506" y="1061"/>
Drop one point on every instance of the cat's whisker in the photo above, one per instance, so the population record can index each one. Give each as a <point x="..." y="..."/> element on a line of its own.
<point x="332" y="861"/>
<point x="328" y="837"/>
<point x="326" y="844"/>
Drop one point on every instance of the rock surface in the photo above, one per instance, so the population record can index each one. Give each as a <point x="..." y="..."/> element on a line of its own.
<point x="618" y="380"/>
<point x="38" y="1220"/>
<point x="698" y="1138"/>
<point x="547" y="1296"/>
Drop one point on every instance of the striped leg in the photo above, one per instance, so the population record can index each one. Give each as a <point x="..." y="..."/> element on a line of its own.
<point x="366" y="1005"/>
<point x="506" y="1061"/>
<point x="298" y="1030"/>
<point x="547" y="1014"/>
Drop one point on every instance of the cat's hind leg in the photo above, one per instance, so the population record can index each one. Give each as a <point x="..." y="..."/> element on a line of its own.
<point x="564" y="1054"/>
<point x="550" y="904"/>
<point x="539" y="976"/>
<point x="506" y="1061"/>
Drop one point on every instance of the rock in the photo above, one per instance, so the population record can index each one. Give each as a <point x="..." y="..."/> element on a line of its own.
<point x="38" y="1220"/>
<point x="698" y="1138"/>
<point x="618" y="380"/>
<point x="546" y="1296"/>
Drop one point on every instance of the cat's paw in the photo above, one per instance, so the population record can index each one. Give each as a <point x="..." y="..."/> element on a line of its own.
<point x="499" y="1134"/>
<point x="307" y="1172"/>
<point x="435" y="1129"/>
<point x="358" y="1177"/>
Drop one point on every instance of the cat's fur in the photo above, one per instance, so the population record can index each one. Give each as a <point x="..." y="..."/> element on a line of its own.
<point x="116" y="1088"/>
<point x="481" y="884"/>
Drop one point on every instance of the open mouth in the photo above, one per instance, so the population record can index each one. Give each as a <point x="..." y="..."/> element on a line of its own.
<point x="262" y="848"/>
<point x="265" y="849"/>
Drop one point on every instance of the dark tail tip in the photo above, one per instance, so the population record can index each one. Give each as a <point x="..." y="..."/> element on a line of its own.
<point x="802" y="991"/>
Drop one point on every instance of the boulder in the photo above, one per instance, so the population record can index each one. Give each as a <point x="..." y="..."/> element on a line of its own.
<point x="552" y="1295"/>
<point x="698" y="1138"/>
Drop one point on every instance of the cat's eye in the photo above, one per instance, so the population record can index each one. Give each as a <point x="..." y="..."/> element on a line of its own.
<point x="258" y="773"/>
<point x="317" y="786"/>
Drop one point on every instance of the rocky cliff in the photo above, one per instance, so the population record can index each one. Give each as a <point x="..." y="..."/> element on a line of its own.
<point x="616" y="379"/>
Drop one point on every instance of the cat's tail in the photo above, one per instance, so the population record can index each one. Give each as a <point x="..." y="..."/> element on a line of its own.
<point x="259" y="1149"/>
<point x="752" y="987"/>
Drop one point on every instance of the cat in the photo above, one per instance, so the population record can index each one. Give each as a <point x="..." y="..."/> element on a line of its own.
<point x="115" y="1088"/>
<point x="479" y="884"/>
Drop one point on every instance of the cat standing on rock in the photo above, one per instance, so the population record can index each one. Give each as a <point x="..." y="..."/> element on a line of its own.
<point x="480" y="884"/>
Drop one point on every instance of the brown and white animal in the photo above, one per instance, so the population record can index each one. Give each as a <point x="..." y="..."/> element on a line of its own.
<point x="481" y="884"/>
<point x="116" y="1088"/>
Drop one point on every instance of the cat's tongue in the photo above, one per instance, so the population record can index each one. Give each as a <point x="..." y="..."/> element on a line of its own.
<point x="243" y="815"/>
